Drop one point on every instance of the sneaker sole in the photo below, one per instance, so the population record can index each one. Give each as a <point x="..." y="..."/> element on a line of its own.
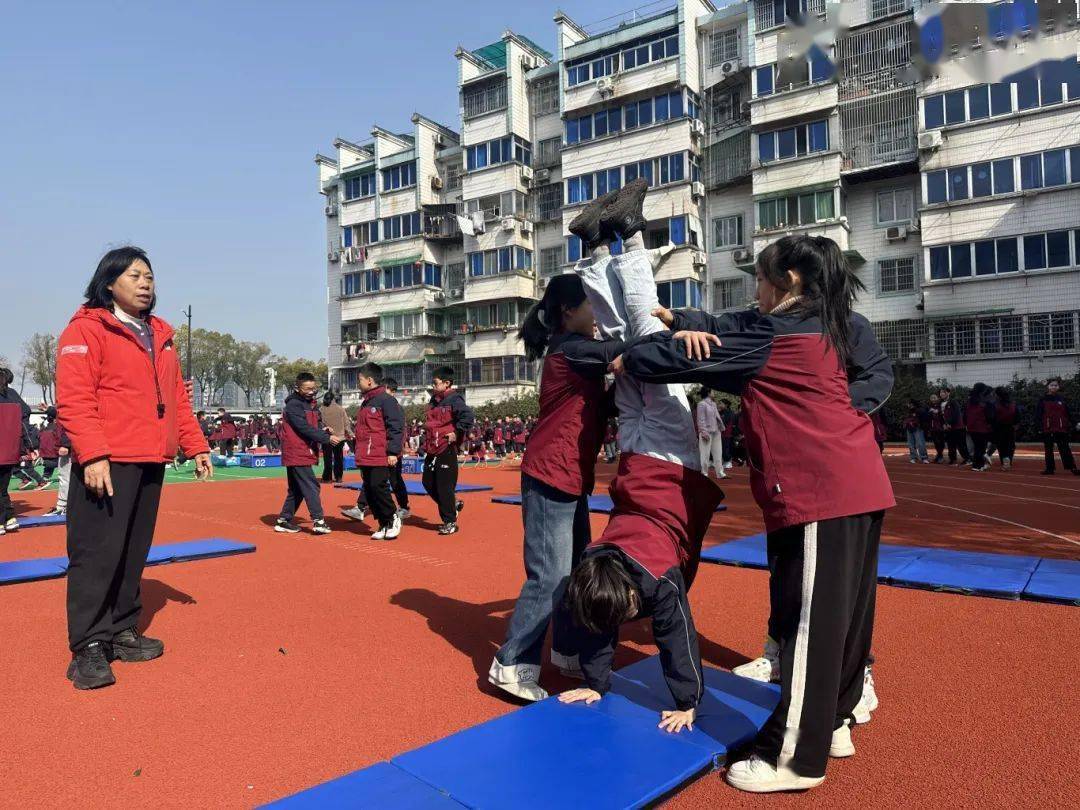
<point x="135" y="656"/>
<point x="510" y="689"/>
<point x="842" y="751"/>
<point x="775" y="785"/>
<point x="283" y="530"/>
<point x="86" y="685"/>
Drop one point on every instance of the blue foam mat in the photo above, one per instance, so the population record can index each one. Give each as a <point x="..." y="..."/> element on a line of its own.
<point x="1055" y="581"/>
<point x="597" y="503"/>
<point x="748" y="552"/>
<point x="1000" y="575"/>
<point x="380" y="786"/>
<point x="32" y="570"/>
<point x="33" y="521"/>
<point x="417" y="488"/>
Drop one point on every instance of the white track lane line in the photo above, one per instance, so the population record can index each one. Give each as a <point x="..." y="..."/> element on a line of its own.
<point x="990" y="517"/>
<point x="916" y="482"/>
<point x="1014" y="481"/>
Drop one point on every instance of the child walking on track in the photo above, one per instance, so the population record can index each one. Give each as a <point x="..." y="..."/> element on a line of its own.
<point x="821" y="485"/>
<point x="1054" y="420"/>
<point x="979" y="417"/>
<point x="302" y="435"/>
<point x="646" y="559"/>
<point x="557" y="476"/>
<point x="397" y="481"/>
<point x="448" y="423"/>
<point x="379" y="431"/>
<point x="1005" y="414"/>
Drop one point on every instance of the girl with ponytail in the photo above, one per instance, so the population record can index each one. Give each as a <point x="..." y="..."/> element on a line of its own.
<point x="557" y="476"/>
<point x="809" y="372"/>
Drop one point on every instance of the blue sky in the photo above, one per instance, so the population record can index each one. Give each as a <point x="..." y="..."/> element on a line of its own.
<point x="189" y="129"/>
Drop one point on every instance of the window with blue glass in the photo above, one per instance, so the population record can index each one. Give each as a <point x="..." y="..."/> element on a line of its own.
<point x="677" y="230"/>
<point x="1004" y="180"/>
<point x="573" y="248"/>
<point x="821" y="67"/>
<point x="499" y="260"/>
<point x="401" y="226"/>
<point x="508" y="149"/>
<point x="401" y="176"/>
<point x="960" y="260"/>
<point x="346" y="237"/>
<point x="982" y="184"/>
<point x="793" y="142"/>
<point x="936" y="187"/>
<point x="638" y="53"/>
<point x="764" y="80"/>
<point x="979" y="102"/>
<point x="939" y="263"/>
<point x="958" y="183"/>
<point x="955" y="111"/>
<point x="360" y="186"/>
<point x="631" y="116"/>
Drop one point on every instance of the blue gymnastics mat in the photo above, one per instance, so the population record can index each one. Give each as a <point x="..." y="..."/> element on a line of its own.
<point x="601" y="504"/>
<point x="32" y="570"/>
<point x="417" y="488"/>
<point x="380" y="786"/>
<point x="748" y="552"/>
<point x="33" y="521"/>
<point x="1055" y="581"/>
<point x="1001" y="575"/>
<point x="52" y="567"/>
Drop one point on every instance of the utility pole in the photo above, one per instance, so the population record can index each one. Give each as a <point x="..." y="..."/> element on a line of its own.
<point x="187" y="314"/>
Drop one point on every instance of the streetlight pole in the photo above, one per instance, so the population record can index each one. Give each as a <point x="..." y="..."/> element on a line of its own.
<point x="187" y="314"/>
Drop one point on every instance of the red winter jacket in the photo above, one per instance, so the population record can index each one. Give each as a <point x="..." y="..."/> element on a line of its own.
<point x="114" y="401"/>
<point x="446" y="413"/>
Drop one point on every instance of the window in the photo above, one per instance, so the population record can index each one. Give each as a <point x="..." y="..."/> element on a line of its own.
<point x="676" y="294"/>
<point x="1052" y="331"/>
<point x="1004" y="182"/>
<point x="402" y="226"/>
<point x="638" y="53"/>
<point x="545" y="96"/>
<point x="365" y="233"/>
<point x="896" y="275"/>
<point x="495" y="315"/>
<point x="801" y="209"/>
<point x="668" y="106"/>
<point x="934" y="112"/>
<point x="573" y="249"/>
<point x="548" y="152"/>
<point x="509" y="148"/>
<point x="492" y="370"/>
<point x="958" y="183"/>
<point x="483" y="99"/>
<point x="765" y="80"/>
<point x="796" y="141"/>
<point x="723" y="46"/>
<point x="728" y="293"/>
<point x="499" y="260"/>
<point x="550" y="260"/>
<point x="401" y="176"/>
<point x="1001" y="335"/>
<point x="549" y="200"/>
<point x="727" y="231"/>
<point x="360" y="186"/>
<point x="883" y="8"/>
<point x="894" y="205"/>
<point x="954" y="338"/>
<point x="979" y="102"/>
<point x="402" y="324"/>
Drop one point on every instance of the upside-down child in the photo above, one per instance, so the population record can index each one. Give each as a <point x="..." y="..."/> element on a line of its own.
<point x="645" y="560"/>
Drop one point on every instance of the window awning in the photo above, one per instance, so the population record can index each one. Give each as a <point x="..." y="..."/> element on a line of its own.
<point x="397" y="352"/>
<point x="400" y="260"/>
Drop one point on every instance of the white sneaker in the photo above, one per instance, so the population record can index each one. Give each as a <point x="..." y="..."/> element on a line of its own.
<point x="379" y="534"/>
<point x="869" y="700"/>
<point x="727" y="465"/>
<point x="395" y="528"/>
<point x="765" y="669"/>
<point x="755" y="775"/>
<point x="568" y="665"/>
<point x="12" y="525"/>
<point x="403" y="514"/>
<point x="841" y="745"/>
<point x="520" y="680"/>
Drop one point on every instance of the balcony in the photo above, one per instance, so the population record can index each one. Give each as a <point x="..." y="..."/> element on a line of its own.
<point x="879" y="131"/>
<point x="512" y="284"/>
<point x="440" y="223"/>
<point x="794" y="101"/>
<point x="727" y="161"/>
<point x="773" y="13"/>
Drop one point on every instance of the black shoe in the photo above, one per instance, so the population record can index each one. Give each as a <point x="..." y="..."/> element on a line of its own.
<point x="459" y="505"/>
<point x="286" y="526"/>
<point x="320" y="527"/>
<point x="623" y="215"/>
<point x="131" y="645"/>
<point x="89" y="667"/>
<point x="587" y="224"/>
<point x="448" y="528"/>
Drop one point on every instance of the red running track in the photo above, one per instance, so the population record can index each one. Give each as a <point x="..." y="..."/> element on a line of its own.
<point x="318" y="656"/>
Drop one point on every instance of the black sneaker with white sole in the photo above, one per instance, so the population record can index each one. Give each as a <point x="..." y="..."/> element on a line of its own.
<point x="623" y="215"/>
<point x="286" y="526"/>
<point x="320" y="527"/>
<point x="459" y="505"/>
<point x="586" y="225"/>
<point x="448" y="528"/>
<point x="89" y="667"/>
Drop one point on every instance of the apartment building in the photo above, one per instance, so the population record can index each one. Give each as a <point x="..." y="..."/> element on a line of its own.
<point x="957" y="199"/>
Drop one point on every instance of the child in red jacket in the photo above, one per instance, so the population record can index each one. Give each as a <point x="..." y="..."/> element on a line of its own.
<point x="1053" y="418"/>
<point x="302" y="435"/>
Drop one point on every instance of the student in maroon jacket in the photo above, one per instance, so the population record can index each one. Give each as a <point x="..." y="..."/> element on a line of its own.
<point x="380" y="423"/>
<point x="122" y="400"/>
<point x="952" y="420"/>
<point x="303" y="435"/>
<point x="226" y="433"/>
<point x="557" y="476"/>
<point x="1006" y="413"/>
<point x="448" y="422"/>
<point x="1053" y="418"/>
<point x="15" y="441"/>
<point x="936" y="427"/>
<point x="49" y="443"/>
<point x="979" y="417"/>
<point x="821" y="484"/>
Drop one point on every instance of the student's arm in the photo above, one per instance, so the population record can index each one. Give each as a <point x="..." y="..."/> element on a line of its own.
<point x="699" y="417"/>
<point x="297" y="419"/>
<point x="661" y="359"/>
<point x="590" y="358"/>
<point x="870" y="372"/>
<point x="595" y="656"/>
<point x="1039" y="416"/>
<point x="463" y="417"/>
<point x="695" y="320"/>
<point x="78" y="372"/>
<point x="676" y="638"/>
<point x="394" y="419"/>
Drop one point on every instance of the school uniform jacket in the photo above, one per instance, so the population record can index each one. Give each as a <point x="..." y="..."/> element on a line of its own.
<point x="446" y="413"/>
<point x="380" y="423"/>
<point x="118" y="401"/>
<point x="573" y="411"/>
<point x="50" y="439"/>
<point x="808" y="436"/>
<point x="660" y="515"/>
<point x="15" y="435"/>
<point x="1052" y="415"/>
<point x="979" y="417"/>
<point x="301" y="431"/>
<point x="952" y="415"/>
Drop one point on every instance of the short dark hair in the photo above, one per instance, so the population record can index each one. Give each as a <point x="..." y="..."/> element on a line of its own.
<point x="304" y="377"/>
<point x="113" y="265"/>
<point x="444" y="373"/>
<point x="373" y="370"/>
<point x="600" y="593"/>
<point x="200" y="413"/>
<point x="6" y="377"/>
<point x="390" y="383"/>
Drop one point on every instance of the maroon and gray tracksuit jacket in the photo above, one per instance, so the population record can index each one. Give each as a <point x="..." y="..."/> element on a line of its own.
<point x="302" y="432"/>
<point x="379" y="429"/>
<point x="16" y="438"/>
<point x="1052" y="415"/>
<point x="573" y="411"/>
<point x="446" y="413"/>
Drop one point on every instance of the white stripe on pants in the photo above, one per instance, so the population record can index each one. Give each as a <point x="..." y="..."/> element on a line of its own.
<point x="63" y="467"/>
<point x="802" y="639"/>
<point x="654" y="419"/>
<point x="712" y="446"/>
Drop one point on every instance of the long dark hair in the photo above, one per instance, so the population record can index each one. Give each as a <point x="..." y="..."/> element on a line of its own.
<point x="113" y="265"/>
<point x="829" y="286"/>
<point x="978" y="394"/>
<point x="546" y="317"/>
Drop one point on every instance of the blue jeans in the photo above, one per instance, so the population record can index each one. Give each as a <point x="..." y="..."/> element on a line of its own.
<point x="556" y="533"/>
<point x="916" y="444"/>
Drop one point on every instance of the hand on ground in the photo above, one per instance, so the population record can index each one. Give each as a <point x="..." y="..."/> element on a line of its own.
<point x="676" y="721"/>
<point x="578" y="695"/>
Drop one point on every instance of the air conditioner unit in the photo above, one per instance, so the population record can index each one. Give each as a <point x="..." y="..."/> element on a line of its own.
<point x="526" y="174"/>
<point x="436" y="182"/>
<point x="699" y="258"/>
<point x="697" y="189"/>
<point x="896" y="233"/>
<point x="542" y="284"/>
<point x="930" y="140"/>
<point x="741" y="255"/>
<point x="333" y="255"/>
<point x="331" y="210"/>
<point x="605" y="85"/>
<point x="457" y="292"/>
<point x="508" y="223"/>
<point x="542" y="175"/>
<point x="526" y="227"/>
<point x="731" y="66"/>
<point x="697" y="127"/>
<point x="440" y="296"/>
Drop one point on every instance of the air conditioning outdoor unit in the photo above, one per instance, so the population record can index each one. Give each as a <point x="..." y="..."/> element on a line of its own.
<point x="930" y="140"/>
<point x="508" y="223"/>
<point x="333" y="255"/>
<point x="331" y="210"/>
<point x="741" y="255"/>
<point x="526" y="227"/>
<point x="697" y="127"/>
<point x="698" y="257"/>
<point x="457" y="292"/>
<point x="526" y="174"/>
<point x="896" y="233"/>
<point x="731" y="66"/>
<point x="440" y="296"/>
<point x="542" y="175"/>
<point x="436" y="182"/>
<point x="542" y="284"/>
<point x="605" y="85"/>
<point x="697" y="189"/>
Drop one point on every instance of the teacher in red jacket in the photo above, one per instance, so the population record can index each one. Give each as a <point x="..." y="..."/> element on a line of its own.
<point x="122" y="401"/>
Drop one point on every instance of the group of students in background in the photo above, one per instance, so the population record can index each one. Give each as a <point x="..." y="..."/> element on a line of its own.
<point x="972" y="432"/>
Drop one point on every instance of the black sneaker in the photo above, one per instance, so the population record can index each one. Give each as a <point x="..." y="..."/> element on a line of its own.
<point x="623" y="215"/>
<point x="320" y="527"/>
<point x="89" y="667"/>
<point x="459" y="505"/>
<point x="286" y="526"/>
<point x="448" y="528"/>
<point x="587" y="224"/>
<point x="131" y="645"/>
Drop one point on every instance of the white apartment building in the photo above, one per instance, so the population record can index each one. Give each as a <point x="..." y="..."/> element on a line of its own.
<point x="956" y="198"/>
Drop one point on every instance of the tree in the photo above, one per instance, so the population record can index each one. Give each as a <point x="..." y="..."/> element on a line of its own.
<point x="39" y="361"/>
<point x="288" y="369"/>
<point x="249" y="369"/>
